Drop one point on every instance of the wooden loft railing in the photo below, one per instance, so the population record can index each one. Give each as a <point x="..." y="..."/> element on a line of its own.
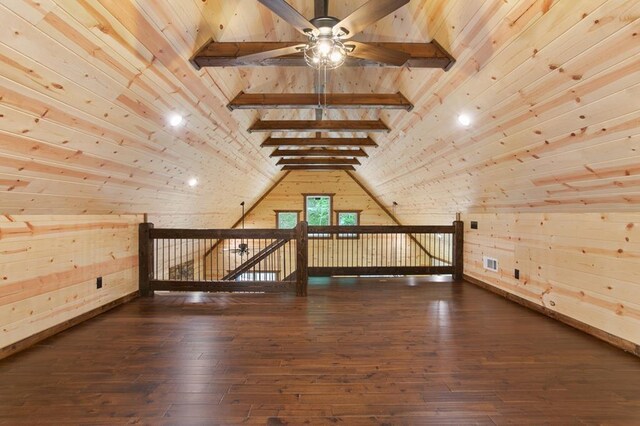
<point x="381" y="250"/>
<point x="229" y="260"/>
<point x="265" y="260"/>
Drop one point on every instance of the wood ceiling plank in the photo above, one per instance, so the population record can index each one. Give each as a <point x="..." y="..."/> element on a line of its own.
<point x="368" y="14"/>
<point x="68" y="88"/>
<point x="557" y="148"/>
<point x="319" y="153"/>
<point x="313" y="100"/>
<point x="164" y="152"/>
<point x="289" y="14"/>
<point x="566" y="122"/>
<point x="317" y="126"/>
<point x="206" y="95"/>
<point x="471" y="150"/>
<point x="319" y="142"/>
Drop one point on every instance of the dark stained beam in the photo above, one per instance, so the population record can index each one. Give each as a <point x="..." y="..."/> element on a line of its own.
<point x="214" y="54"/>
<point x="319" y="160"/>
<point x="319" y="153"/>
<point x="318" y="126"/>
<point x="350" y="168"/>
<point x="319" y="141"/>
<point x="311" y="101"/>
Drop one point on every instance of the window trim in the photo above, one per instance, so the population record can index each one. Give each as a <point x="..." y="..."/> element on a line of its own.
<point x="304" y="204"/>
<point x="277" y="212"/>
<point x="348" y="236"/>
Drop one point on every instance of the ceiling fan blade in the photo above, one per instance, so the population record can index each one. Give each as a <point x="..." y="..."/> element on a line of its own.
<point x="268" y="54"/>
<point x="366" y="15"/>
<point x="289" y="14"/>
<point x="378" y="54"/>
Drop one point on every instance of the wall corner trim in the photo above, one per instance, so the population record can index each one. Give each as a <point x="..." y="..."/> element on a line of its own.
<point x="616" y="341"/>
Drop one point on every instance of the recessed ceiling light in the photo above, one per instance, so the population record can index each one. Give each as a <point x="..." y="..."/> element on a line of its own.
<point x="193" y="182"/>
<point x="464" y="119"/>
<point x="175" y="120"/>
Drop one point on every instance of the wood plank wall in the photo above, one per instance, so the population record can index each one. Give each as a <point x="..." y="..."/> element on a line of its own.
<point x="49" y="266"/>
<point x="287" y="195"/>
<point x="583" y="265"/>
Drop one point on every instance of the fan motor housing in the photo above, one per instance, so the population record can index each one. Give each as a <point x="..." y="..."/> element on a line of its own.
<point x="324" y="21"/>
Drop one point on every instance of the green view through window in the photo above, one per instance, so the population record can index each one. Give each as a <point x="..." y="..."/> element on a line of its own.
<point x="318" y="210"/>
<point x="348" y="219"/>
<point x="287" y="220"/>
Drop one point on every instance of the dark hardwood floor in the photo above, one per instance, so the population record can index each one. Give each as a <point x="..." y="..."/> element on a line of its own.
<point x="369" y="351"/>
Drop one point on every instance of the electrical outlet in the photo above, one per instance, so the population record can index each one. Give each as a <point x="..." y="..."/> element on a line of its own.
<point x="516" y="273"/>
<point x="474" y="224"/>
<point x="99" y="282"/>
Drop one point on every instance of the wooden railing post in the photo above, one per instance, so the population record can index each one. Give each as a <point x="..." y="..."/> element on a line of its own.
<point x="302" y="259"/>
<point x="458" y="252"/>
<point x="145" y="259"/>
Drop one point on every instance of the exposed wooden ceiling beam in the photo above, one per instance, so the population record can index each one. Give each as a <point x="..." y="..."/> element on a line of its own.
<point x="319" y="160"/>
<point x="311" y="101"/>
<point x="319" y="153"/>
<point x="314" y="125"/>
<point x="214" y="54"/>
<point x="350" y="168"/>
<point x="319" y="141"/>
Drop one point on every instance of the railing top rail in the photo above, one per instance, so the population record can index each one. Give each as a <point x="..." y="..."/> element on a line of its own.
<point x="168" y="233"/>
<point x="435" y="229"/>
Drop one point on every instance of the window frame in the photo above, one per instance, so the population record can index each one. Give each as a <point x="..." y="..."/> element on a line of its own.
<point x="277" y="212"/>
<point x="304" y="203"/>
<point x="348" y="236"/>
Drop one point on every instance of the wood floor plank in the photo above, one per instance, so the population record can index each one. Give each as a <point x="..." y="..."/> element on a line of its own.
<point x="355" y="352"/>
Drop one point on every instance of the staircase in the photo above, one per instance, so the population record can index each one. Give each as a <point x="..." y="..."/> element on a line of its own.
<point x="252" y="261"/>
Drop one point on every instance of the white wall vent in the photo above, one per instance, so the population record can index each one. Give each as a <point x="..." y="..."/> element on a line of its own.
<point x="490" y="263"/>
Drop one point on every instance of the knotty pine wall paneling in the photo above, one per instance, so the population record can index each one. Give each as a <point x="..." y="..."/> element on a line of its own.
<point x="49" y="266"/>
<point x="583" y="265"/>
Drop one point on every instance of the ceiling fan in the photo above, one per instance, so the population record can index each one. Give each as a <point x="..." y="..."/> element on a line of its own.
<point x="243" y="248"/>
<point x="329" y="39"/>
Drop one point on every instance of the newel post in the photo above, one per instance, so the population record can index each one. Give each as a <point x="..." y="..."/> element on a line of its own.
<point x="302" y="259"/>
<point x="145" y="259"/>
<point x="458" y="252"/>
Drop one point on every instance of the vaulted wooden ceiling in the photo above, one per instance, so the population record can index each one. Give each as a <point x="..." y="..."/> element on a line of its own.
<point x="86" y="87"/>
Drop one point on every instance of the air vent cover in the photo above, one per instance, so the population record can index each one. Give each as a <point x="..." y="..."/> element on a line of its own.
<point x="490" y="263"/>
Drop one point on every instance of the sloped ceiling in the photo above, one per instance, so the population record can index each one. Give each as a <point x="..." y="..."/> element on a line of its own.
<point x="552" y="86"/>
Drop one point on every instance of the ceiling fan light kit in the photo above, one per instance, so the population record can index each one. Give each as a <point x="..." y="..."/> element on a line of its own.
<point x="325" y="50"/>
<point x="325" y="53"/>
<point x="326" y="47"/>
